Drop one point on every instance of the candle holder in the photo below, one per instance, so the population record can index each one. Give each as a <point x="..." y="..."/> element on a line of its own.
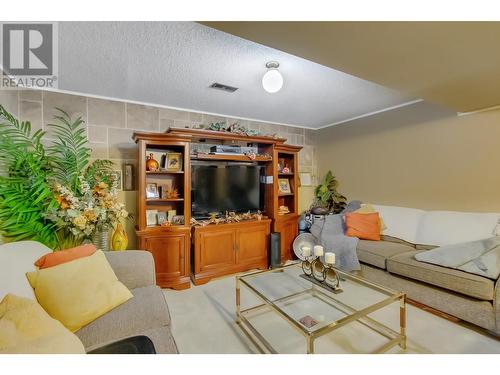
<point x="332" y="278"/>
<point x="321" y="274"/>
<point x="318" y="270"/>
<point x="307" y="266"/>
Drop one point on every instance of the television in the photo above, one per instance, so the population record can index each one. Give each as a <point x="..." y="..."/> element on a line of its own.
<point x="221" y="187"/>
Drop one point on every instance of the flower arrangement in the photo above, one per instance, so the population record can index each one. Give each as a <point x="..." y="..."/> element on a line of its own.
<point x="50" y="190"/>
<point x="96" y="209"/>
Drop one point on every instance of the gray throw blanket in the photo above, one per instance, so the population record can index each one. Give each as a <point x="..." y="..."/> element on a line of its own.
<point x="329" y="232"/>
<point x="479" y="257"/>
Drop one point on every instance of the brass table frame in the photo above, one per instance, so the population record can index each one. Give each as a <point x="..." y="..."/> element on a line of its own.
<point x="395" y="338"/>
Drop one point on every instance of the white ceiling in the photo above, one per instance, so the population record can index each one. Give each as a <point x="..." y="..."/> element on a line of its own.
<point x="173" y="63"/>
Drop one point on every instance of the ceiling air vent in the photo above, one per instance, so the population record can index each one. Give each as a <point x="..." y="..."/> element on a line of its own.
<point x="220" y="86"/>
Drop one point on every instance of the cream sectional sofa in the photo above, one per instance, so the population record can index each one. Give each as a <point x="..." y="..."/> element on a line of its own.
<point x="145" y="314"/>
<point x="391" y="262"/>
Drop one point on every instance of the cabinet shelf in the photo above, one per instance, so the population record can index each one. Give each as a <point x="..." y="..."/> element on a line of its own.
<point x="229" y="157"/>
<point x="163" y="172"/>
<point x="286" y="194"/>
<point x="285" y="174"/>
<point x="165" y="200"/>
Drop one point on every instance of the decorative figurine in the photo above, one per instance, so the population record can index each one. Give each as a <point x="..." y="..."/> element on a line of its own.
<point x="151" y="164"/>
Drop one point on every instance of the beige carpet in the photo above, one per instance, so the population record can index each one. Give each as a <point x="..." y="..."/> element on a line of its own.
<point x="203" y="322"/>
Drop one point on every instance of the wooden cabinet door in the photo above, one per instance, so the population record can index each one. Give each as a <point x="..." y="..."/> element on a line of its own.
<point x="169" y="252"/>
<point x="252" y="244"/>
<point x="289" y="231"/>
<point x="215" y="250"/>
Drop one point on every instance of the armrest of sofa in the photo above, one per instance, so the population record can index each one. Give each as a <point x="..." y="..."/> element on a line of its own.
<point x="134" y="268"/>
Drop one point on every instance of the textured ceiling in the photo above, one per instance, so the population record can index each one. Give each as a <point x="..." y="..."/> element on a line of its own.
<point x="173" y="63"/>
<point x="454" y="64"/>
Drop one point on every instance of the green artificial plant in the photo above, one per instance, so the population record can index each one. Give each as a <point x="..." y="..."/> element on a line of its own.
<point x="30" y="165"/>
<point x="327" y="196"/>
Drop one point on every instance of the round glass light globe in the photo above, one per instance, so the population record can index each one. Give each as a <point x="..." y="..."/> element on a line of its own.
<point x="272" y="81"/>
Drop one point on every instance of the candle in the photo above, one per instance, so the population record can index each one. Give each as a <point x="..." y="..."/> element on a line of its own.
<point x="306" y="251"/>
<point x="318" y="250"/>
<point x="330" y="258"/>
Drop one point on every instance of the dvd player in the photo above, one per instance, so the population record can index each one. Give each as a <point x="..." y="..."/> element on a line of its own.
<point x="223" y="149"/>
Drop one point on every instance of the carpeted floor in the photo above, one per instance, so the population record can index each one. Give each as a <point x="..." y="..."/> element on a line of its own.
<point x="203" y="322"/>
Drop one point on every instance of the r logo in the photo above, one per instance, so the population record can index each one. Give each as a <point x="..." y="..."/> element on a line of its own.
<point x="27" y="49"/>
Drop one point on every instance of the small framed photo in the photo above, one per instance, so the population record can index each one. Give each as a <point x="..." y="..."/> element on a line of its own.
<point x="178" y="220"/>
<point x="117" y="176"/>
<point x="162" y="217"/>
<point x="281" y="164"/>
<point x="174" y="161"/>
<point x="151" y="217"/>
<point x="128" y="180"/>
<point x="284" y="186"/>
<point x="152" y="190"/>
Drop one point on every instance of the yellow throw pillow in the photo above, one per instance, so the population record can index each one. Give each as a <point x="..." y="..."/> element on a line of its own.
<point x="26" y="328"/>
<point x="78" y="292"/>
<point x="367" y="208"/>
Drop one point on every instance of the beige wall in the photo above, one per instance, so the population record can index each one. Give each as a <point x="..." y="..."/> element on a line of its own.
<point x="417" y="156"/>
<point x="110" y="125"/>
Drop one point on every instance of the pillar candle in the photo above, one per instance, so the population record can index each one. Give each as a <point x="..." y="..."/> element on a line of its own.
<point x="306" y="251"/>
<point x="318" y="250"/>
<point x="330" y="258"/>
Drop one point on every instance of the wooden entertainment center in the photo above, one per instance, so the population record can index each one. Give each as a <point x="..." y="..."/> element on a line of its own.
<point x="183" y="252"/>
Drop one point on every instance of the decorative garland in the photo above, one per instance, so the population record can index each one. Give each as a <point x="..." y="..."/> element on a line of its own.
<point x="234" y="128"/>
<point x="229" y="217"/>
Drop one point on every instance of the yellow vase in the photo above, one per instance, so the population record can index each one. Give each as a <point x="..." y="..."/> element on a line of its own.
<point x="119" y="241"/>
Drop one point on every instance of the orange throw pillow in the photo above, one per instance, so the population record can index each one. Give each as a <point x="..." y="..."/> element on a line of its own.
<point x="363" y="226"/>
<point x="64" y="256"/>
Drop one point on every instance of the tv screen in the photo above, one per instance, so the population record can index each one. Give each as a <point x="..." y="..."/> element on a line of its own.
<point x="224" y="187"/>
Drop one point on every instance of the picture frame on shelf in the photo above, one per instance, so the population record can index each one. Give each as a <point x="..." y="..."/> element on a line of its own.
<point x="152" y="191"/>
<point x="178" y="220"/>
<point x="171" y="214"/>
<point x="173" y="162"/>
<point x="284" y="186"/>
<point x="117" y="174"/>
<point x="151" y="218"/>
<point x="161" y="217"/>
<point x="128" y="177"/>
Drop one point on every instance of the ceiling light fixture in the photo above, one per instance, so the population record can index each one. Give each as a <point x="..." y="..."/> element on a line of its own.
<point x="272" y="80"/>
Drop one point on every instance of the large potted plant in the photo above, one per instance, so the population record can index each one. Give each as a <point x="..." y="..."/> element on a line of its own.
<point x="326" y="197"/>
<point x="50" y="191"/>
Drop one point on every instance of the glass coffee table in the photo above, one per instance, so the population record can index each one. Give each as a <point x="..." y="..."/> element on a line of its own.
<point x="282" y="299"/>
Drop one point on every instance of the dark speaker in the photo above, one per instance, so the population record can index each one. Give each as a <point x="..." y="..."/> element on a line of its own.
<point x="275" y="252"/>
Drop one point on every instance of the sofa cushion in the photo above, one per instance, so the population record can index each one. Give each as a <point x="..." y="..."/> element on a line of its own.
<point x="146" y="310"/>
<point x="376" y="253"/>
<point x="440" y="228"/>
<point x="458" y="281"/>
<point x="367" y="208"/>
<point x="401" y="222"/>
<point x="363" y="226"/>
<point x="78" y="292"/>
<point x="25" y="327"/>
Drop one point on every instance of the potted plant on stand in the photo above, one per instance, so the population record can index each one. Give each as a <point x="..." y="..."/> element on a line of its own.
<point x="326" y="197"/>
